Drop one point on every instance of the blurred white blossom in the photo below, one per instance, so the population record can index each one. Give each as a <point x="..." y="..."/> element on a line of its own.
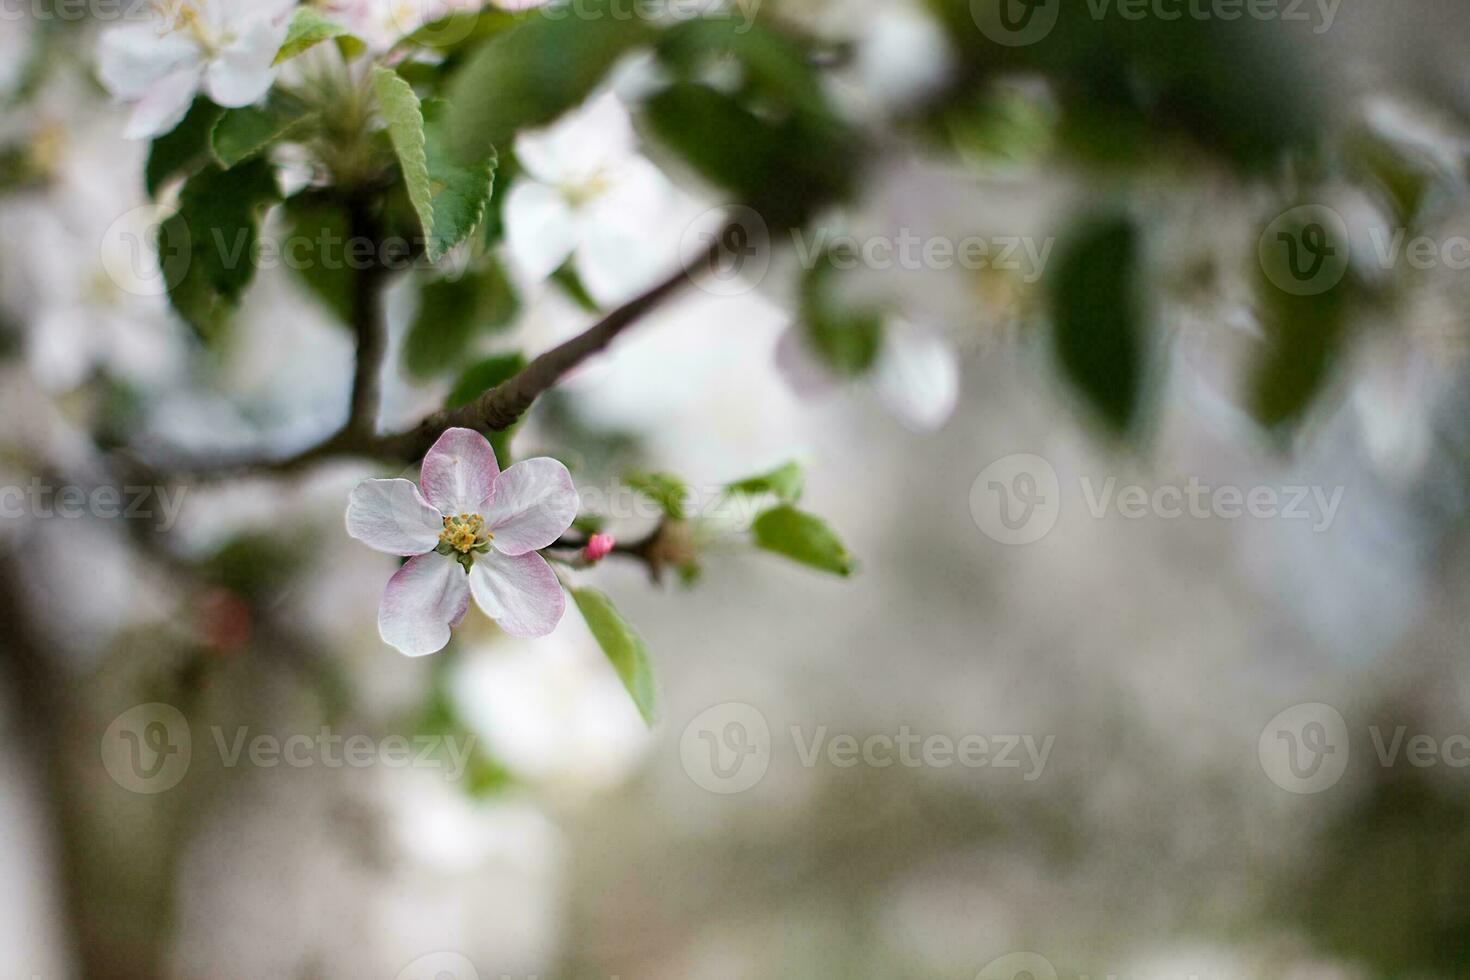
<point x="916" y="374"/>
<point x="588" y="196"/>
<point x="553" y="711"/>
<point x="102" y="307"/>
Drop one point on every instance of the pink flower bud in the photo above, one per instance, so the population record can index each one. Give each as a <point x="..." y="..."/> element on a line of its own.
<point x="598" y="547"/>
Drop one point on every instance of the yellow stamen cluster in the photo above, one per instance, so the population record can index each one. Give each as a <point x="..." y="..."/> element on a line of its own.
<point x="580" y="193"/>
<point x="464" y="533"/>
<point x="183" y="15"/>
<point x="175" y="14"/>
<point x="48" y="147"/>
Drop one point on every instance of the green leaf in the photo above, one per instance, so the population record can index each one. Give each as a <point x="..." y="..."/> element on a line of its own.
<point x="1304" y="333"/>
<point x="462" y="29"/>
<point x="566" y="277"/>
<point x="449" y="198"/>
<point x="786" y="167"/>
<point x="308" y="28"/>
<point x="786" y="483"/>
<point x="1098" y="320"/>
<point x="20" y="169"/>
<point x="1238" y="87"/>
<point x="451" y="313"/>
<point x="535" y="71"/>
<point x="846" y="338"/>
<point x="777" y="68"/>
<point x="242" y="133"/>
<point x="623" y="647"/>
<point x="664" y="489"/>
<point x="481" y="376"/>
<point x="404" y="115"/>
<point x="1005" y="125"/>
<point x="461" y="193"/>
<point x="208" y="248"/>
<point x="185" y="149"/>
<point x="314" y="217"/>
<point x="803" y="538"/>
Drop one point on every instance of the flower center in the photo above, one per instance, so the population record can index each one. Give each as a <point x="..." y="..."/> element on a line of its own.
<point x="463" y="537"/>
<point x="582" y="192"/>
<point x="183" y="15"/>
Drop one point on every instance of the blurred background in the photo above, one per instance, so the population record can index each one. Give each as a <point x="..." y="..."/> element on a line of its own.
<point x="1218" y="741"/>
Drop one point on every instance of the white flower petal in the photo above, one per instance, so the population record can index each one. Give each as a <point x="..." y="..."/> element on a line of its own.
<point x="242" y="73"/>
<point x="240" y="17"/>
<point x="131" y="59"/>
<point x="617" y="264"/>
<point x="521" y="593"/>
<point x="459" y="472"/>
<point x="60" y="349"/>
<point x="424" y="600"/>
<point x="586" y="141"/>
<point x="540" y="229"/>
<point x="533" y="504"/>
<point x="627" y="245"/>
<point x="392" y="516"/>
<point x="164" y="106"/>
<point x="917" y="377"/>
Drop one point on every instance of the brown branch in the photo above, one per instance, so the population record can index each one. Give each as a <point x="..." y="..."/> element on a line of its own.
<point x="502" y="406"/>
<point x="669" y="545"/>
<point x="496" y="410"/>
<point x="368" y="321"/>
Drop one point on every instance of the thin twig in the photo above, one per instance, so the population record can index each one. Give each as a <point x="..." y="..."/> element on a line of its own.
<point x="502" y="406"/>
<point x="368" y="321"/>
<point x="495" y="410"/>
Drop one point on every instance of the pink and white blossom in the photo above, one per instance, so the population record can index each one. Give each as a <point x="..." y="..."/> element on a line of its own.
<point x="473" y="531"/>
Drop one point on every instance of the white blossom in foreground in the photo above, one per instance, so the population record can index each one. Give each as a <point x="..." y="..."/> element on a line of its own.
<point x="472" y="531"/>
<point x="225" y="48"/>
<point x="589" y="197"/>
